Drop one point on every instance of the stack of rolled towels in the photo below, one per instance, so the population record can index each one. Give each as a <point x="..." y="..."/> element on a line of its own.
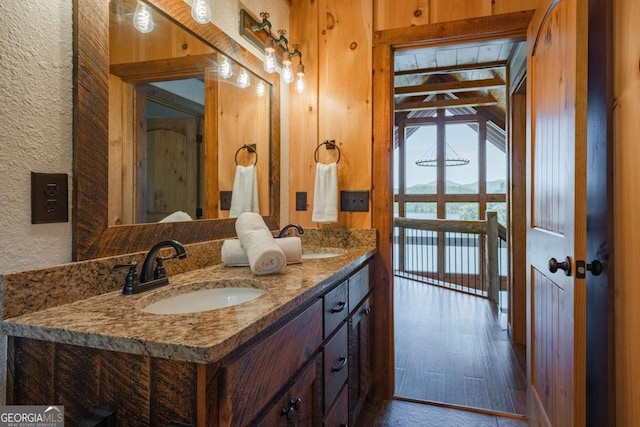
<point x="257" y="248"/>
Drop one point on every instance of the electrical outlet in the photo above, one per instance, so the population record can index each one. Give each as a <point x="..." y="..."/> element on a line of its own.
<point x="354" y="201"/>
<point x="301" y="201"/>
<point x="225" y="200"/>
<point x="49" y="198"/>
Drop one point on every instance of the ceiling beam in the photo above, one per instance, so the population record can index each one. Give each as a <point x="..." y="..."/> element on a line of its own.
<point x="453" y="69"/>
<point x="446" y="103"/>
<point x="449" y="87"/>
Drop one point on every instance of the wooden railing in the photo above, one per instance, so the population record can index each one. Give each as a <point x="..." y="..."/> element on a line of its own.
<point x="460" y="255"/>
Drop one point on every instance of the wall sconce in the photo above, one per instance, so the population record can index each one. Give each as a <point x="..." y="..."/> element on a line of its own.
<point x="269" y="53"/>
<point x="201" y="11"/>
<point x="143" y="19"/>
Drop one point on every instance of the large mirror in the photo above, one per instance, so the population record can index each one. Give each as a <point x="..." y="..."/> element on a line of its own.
<point x="137" y="117"/>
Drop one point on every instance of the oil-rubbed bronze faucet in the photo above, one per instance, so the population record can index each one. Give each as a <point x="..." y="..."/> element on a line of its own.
<point x="153" y="274"/>
<point x="288" y="226"/>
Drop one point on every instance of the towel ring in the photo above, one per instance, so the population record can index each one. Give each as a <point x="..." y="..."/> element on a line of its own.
<point x="330" y="146"/>
<point x="250" y="148"/>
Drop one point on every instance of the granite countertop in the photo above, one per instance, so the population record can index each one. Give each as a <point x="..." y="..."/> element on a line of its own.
<point x="115" y="322"/>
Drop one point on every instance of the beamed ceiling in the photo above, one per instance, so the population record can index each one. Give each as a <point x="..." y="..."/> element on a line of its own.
<point x="464" y="79"/>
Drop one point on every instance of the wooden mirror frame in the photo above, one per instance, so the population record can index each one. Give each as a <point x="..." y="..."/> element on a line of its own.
<point x="92" y="235"/>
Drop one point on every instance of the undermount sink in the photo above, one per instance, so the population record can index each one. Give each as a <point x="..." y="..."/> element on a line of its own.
<point x="321" y="252"/>
<point x="202" y="296"/>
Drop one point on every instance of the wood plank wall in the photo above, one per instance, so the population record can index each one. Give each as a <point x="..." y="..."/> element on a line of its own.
<point x="626" y="207"/>
<point x="336" y="39"/>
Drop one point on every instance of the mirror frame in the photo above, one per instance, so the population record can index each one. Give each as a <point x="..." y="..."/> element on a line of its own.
<point x="92" y="236"/>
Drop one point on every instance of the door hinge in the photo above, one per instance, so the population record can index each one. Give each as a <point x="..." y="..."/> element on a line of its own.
<point x="199" y="138"/>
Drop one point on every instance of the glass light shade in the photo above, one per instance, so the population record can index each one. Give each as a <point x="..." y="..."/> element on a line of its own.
<point x="300" y="84"/>
<point x="270" y="62"/>
<point x="260" y="89"/>
<point x="244" y="81"/>
<point x="224" y="69"/>
<point x="142" y="18"/>
<point x="201" y="11"/>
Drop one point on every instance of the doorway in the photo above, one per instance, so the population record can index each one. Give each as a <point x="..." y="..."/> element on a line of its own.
<point x="452" y="341"/>
<point x="384" y="76"/>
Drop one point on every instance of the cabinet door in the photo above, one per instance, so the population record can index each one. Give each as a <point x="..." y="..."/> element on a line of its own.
<point x="299" y="405"/>
<point x="258" y="375"/>
<point x="360" y="357"/>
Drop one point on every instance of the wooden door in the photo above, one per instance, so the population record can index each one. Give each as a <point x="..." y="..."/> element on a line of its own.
<point x="172" y="167"/>
<point x="556" y="218"/>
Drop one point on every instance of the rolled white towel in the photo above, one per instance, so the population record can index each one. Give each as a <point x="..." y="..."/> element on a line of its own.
<point x="265" y="256"/>
<point x="233" y="255"/>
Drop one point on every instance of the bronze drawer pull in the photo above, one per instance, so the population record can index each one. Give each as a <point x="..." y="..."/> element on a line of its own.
<point x="339" y="307"/>
<point x="366" y="311"/>
<point x="294" y="405"/>
<point x="341" y="365"/>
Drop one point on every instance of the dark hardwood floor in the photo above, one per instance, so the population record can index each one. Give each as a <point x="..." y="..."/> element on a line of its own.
<point x="409" y="414"/>
<point x="451" y="348"/>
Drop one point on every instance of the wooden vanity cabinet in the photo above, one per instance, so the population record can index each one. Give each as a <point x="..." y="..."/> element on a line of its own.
<point x="310" y="368"/>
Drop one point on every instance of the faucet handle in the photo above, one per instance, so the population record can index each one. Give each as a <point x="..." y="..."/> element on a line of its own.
<point x="132" y="276"/>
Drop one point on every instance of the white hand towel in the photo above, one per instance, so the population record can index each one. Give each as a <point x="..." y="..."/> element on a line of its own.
<point x="265" y="256"/>
<point x="244" y="197"/>
<point x="233" y="255"/>
<point x="325" y="194"/>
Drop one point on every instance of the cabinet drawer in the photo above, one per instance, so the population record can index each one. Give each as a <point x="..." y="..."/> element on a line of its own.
<point x="297" y="407"/>
<point x="338" y="416"/>
<point x="254" y="378"/>
<point x="335" y="308"/>
<point x="359" y="287"/>
<point x="336" y="365"/>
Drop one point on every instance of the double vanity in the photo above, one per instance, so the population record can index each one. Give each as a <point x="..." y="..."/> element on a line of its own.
<point x="291" y="349"/>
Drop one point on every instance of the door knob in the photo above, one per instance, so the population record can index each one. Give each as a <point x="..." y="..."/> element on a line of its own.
<point x="595" y="267"/>
<point x="565" y="265"/>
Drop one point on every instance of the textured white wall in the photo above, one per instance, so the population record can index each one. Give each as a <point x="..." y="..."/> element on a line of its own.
<point x="36" y="117"/>
<point x="35" y="126"/>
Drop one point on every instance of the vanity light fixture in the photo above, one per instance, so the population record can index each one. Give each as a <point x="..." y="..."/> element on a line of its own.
<point x="244" y="81"/>
<point x="260" y="89"/>
<point x="201" y="11"/>
<point x="224" y="69"/>
<point x="270" y="58"/>
<point x="142" y="18"/>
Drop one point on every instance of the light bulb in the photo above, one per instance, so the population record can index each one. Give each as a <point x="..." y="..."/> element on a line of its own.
<point x="300" y="83"/>
<point x="142" y="18"/>
<point x="225" y="70"/>
<point x="270" y="60"/>
<point x="260" y="89"/>
<point x="244" y="81"/>
<point x="201" y="11"/>
<point x="287" y="71"/>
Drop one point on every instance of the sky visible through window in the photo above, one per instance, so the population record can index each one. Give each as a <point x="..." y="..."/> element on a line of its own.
<point x="461" y="138"/>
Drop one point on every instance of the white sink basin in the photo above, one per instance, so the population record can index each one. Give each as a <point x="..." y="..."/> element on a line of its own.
<point x="321" y="252"/>
<point x="202" y="296"/>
